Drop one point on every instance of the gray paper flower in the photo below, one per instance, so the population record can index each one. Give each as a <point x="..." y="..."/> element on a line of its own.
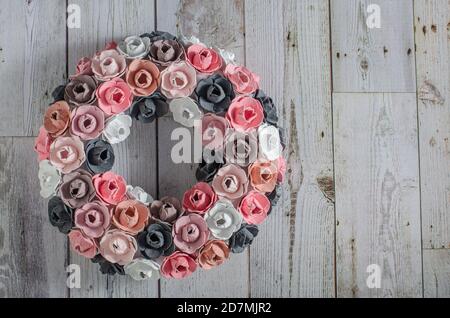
<point x="81" y="90"/>
<point x="159" y="35"/>
<point x="243" y="238"/>
<point x="207" y="170"/>
<point x="270" y="110"/>
<point x="166" y="51"/>
<point x="60" y="215"/>
<point x="146" y="109"/>
<point x="134" y="47"/>
<point x="215" y="94"/>
<point x="156" y="241"/>
<point x="99" y="156"/>
<point x="77" y="189"/>
<point x="106" y="267"/>
<point x="58" y="93"/>
<point x="185" y="111"/>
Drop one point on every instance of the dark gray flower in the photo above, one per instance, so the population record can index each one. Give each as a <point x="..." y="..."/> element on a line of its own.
<point x="60" y="215"/>
<point x="99" y="156"/>
<point x="146" y="109"/>
<point x="159" y="35"/>
<point x="243" y="238"/>
<point x="270" y="110"/>
<point x="58" y="93"/>
<point x="80" y="90"/>
<point x="215" y="94"/>
<point x="156" y="241"/>
<point x="106" y="267"/>
<point x="274" y="196"/>
<point x="207" y="170"/>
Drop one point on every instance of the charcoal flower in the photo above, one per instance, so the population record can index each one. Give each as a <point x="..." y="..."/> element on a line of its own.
<point x="155" y="241"/>
<point x="60" y="215"/>
<point x="147" y="109"/>
<point x="243" y="238"/>
<point x="207" y="170"/>
<point x="106" y="267"/>
<point x="215" y="94"/>
<point x="270" y="110"/>
<point x="99" y="156"/>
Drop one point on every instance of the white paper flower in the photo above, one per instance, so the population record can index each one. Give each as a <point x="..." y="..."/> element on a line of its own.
<point x="137" y="193"/>
<point x="141" y="269"/>
<point x="223" y="220"/>
<point x="185" y="111"/>
<point x="117" y="128"/>
<point x="49" y="178"/>
<point x="134" y="47"/>
<point x="269" y="142"/>
<point x="228" y="57"/>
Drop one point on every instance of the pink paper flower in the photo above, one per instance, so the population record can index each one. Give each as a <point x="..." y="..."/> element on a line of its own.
<point x="190" y="232"/>
<point x="199" y="199"/>
<point x="42" y="144"/>
<point x="245" y="113"/>
<point x="254" y="207"/>
<point x="93" y="219"/>
<point x="204" y="59"/>
<point x="84" y="67"/>
<point x="88" y="122"/>
<point x="67" y="153"/>
<point x="118" y="247"/>
<point x="213" y="131"/>
<point x="108" y="64"/>
<point x="178" y="80"/>
<point x="213" y="254"/>
<point x="230" y="182"/>
<point x="57" y="119"/>
<point x="81" y="244"/>
<point x="114" y="96"/>
<point x="110" y="187"/>
<point x="131" y="216"/>
<point x="142" y="77"/>
<point x="263" y="175"/>
<point x="243" y="80"/>
<point x="178" y="265"/>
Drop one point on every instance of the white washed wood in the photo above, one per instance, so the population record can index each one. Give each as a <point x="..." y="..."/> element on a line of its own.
<point x="433" y="84"/>
<point x="436" y="273"/>
<point x="377" y="194"/>
<point x="32" y="62"/>
<point x="224" y="29"/>
<point x="101" y="22"/>
<point x="32" y="252"/>
<point x="372" y="60"/>
<point x="288" y="44"/>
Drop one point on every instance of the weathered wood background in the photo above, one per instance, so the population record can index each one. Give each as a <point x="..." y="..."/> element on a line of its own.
<point x="367" y="118"/>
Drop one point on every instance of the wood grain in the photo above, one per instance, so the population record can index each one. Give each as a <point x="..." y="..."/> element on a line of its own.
<point x="436" y="273"/>
<point x="377" y="194"/>
<point x="32" y="252"/>
<point x="102" y="22"/>
<point x="433" y="84"/>
<point x="32" y="62"/>
<point x="287" y="43"/>
<point x="372" y="60"/>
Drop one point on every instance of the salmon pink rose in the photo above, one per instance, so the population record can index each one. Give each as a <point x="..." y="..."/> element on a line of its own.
<point x="110" y="187"/>
<point x="243" y="80"/>
<point x="93" y="219"/>
<point x="81" y="244"/>
<point x="245" y="113"/>
<point x="118" y="247"/>
<point x="57" y="119"/>
<point x="42" y="144"/>
<point x="67" y="153"/>
<point x="88" y="122"/>
<point x="199" y="198"/>
<point x="263" y="175"/>
<point x="108" y="64"/>
<point x="213" y="254"/>
<point x="178" y="80"/>
<point x="142" y="77"/>
<point x="205" y="60"/>
<point x="131" y="216"/>
<point x="178" y="265"/>
<point x="254" y="207"/>
<point x="114" y="96"/>
<point x="190" y="232"/>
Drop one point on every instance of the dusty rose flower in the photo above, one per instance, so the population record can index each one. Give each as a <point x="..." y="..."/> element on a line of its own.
<point x="213" y="131"/>
<point x="93" y="219"/>
<point x="190" y="232"/>
<point x="57" y="119"/>
<point x="243" y="80"/>
<point x="165" y="51"/>
<point x="204" y="59"/>
<point x="142" y="77"/>
<point x="178" y="80"/>
<point x="131" y="216"/>
<point x="178" y="265"/>
<point x="77" y="189"/>
<point x="82" y="244"/>
<point x="110" y="187"/>
<point x="83" y="67"/>
<point x="114" y="96"/>
<point x="67" y="153"/>
<point x="80" y="90"/>
<point x="108" y="64"/>
<point x="230" y="182"/>
<point x="199" y="198"/>
<point x="245" y="113"/>
<point x="88" y="122"/>
<point x="241" y="148"/>
<point x="167" y="209"/>
<point x="42" y="144"/>
<point x="118" y="247"/>
<point x="254" y="207"/>
<point x="263" y="175"/>
<point x="213" y="254"/>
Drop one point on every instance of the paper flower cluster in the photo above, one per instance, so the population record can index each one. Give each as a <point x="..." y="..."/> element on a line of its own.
<point x="121" y="227"/>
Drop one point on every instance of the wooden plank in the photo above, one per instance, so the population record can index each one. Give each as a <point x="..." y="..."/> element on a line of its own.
<point x="370" y="59"/>
<point x="225" y="29"/>
<point x="436" y="273"/>
<point x="377" y="194"/>
<point x="32" y="253"/>
<point x="103" y="21"/>
<point x="32" y="62"/>
<point x="433" y="83"/>
<point x="288" y="44"/>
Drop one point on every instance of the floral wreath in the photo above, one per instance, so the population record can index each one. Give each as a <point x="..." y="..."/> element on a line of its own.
<point x="121" y="227"/>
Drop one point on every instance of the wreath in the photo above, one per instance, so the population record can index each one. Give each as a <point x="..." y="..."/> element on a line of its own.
<point x="121" y="227"/>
